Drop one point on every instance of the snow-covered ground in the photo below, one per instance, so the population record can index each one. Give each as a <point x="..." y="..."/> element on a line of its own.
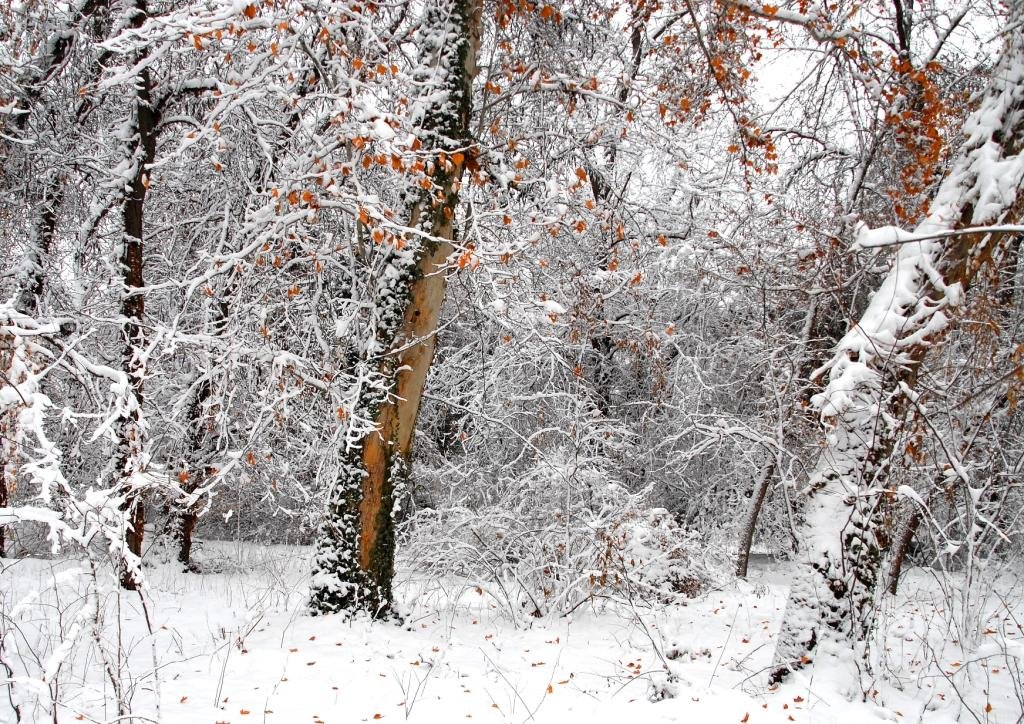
<point x="237" y="646"/>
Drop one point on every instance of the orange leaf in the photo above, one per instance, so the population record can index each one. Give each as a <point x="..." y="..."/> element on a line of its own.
<point x="243" y="712"/>
<point x="364" y="218"/>
<point x="746" y="718"/>
<point x="250" y="11"/>
<point x="581" y="174"/>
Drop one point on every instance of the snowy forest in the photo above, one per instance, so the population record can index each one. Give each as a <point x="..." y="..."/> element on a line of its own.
<point x="597" y="361"/>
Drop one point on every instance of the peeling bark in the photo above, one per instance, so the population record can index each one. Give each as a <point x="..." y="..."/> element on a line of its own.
<point x="354" y="561"/>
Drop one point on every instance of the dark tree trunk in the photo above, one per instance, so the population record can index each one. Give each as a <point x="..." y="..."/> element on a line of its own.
<point x="128" y="457"/>
<point x="907" y="532"/>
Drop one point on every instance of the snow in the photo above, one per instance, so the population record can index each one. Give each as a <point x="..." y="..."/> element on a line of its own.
<point x="235" y="644"/>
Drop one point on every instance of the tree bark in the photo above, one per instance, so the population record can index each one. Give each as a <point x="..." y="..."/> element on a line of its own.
<point x="899" y="553"/>
<point x="354" y="562"/>
<point x="129" y="455"/>
<point x="764" y="481"/>
<point x="876" y="367"/>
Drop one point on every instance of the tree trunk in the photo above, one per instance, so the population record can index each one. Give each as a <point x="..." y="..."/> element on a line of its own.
<point x="8" y="435"/>
<point x="195" y="471"/>
<point x="907" y="532"/>
<point x="129" y="455"/>
<point x="764" y="481"/>
<point x="876" y="367"/>
<point x="355" y="547"/>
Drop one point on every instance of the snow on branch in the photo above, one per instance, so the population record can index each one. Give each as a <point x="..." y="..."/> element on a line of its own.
<point x="976" y="197"/>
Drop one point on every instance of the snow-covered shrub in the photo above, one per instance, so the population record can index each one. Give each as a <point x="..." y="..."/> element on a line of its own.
<point x="647" y="554"/>
<point x="558" y="537"/>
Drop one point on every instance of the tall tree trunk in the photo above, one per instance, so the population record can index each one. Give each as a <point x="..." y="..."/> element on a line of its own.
<point x="876" y="367"/>
<point x="355" y="546"/>
<point x="129" y="455"/>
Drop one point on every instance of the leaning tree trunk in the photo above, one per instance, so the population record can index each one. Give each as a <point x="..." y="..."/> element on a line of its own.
<point x="353" y="565"/>
<point x="758" y="495"/>
<point x="875" y="369"/>
<point x="907" y="531"/>
<point x="129" y="454"/>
